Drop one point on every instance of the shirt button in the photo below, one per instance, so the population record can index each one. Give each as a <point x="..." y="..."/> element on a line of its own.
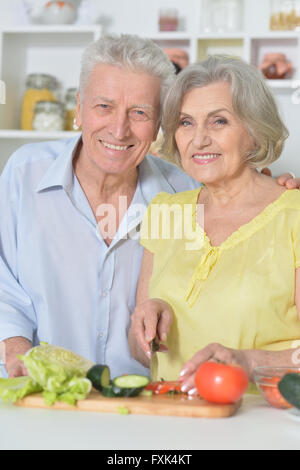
<point x="104" y="293"/>
<point x="100" y="334"/>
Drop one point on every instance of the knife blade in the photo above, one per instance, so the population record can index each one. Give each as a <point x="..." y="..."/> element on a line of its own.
<point x="155" y="345"/>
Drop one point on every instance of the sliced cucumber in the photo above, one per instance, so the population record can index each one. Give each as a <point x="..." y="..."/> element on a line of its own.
<point x="129" y="385"/>
<point x="99" y="375"/>
<point x="289" y="387"/>
<point x="109" y="392"/>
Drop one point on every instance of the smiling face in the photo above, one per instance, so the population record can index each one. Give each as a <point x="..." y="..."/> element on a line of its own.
<point x="119" y="118"/>
<point x="211" y="139"/>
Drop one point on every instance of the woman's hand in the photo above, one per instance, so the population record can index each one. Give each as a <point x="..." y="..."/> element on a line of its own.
<point x="213" y="351"/>
<point x="150" y="320"/>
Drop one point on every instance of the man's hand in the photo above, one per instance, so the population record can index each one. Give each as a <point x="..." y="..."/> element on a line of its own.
<point x="14" y="347"/>
<point x="287" y="179"/>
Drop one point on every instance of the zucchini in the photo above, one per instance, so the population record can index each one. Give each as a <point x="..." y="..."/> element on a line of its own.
<point x="99" y="375"/>
<point x="289" y="387"/>
<point x="129" y="385"/>
<point x="122" y="386"/>
<point x="109" y="392"/>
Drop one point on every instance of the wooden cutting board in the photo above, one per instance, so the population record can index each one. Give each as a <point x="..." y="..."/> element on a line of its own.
<point x="164" y="405"/>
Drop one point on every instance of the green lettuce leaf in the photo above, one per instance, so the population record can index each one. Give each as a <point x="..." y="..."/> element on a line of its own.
<point x="60" y="372"/>
<point x="12" y="390"/>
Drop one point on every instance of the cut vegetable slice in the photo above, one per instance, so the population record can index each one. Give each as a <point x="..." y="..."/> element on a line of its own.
<point x="163" y="387"/>
<point x="99" y="375"/>
<point x="129" y="385"/>
<point x="131" y="381"/>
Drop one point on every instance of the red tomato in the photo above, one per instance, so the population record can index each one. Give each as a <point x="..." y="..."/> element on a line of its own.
<point x="221" y="383"/>
<point x="164" y="386"/>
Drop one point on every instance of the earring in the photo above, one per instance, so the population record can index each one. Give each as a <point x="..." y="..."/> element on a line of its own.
<point x="75" y="125"/>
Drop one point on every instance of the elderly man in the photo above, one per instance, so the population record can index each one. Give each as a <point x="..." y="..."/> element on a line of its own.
<point x="70" y="212"/>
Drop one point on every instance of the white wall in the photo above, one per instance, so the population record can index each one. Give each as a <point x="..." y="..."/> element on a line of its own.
<point x="141" y="17"/>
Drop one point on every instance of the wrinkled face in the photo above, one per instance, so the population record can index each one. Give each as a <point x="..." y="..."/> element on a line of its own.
<point x="211" y="139"/>
<point x="119" y="118"/>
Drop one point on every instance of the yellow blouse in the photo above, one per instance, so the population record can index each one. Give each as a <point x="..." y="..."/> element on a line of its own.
<point x="240" y="294"/>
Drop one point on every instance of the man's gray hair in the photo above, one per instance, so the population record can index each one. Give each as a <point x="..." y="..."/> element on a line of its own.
<point x="252" y="101"/>
<point x="131" y="52"/>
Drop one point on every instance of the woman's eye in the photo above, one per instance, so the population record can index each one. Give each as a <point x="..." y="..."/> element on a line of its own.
<point x="185" y="123"/>
<point x="221" y="121"/>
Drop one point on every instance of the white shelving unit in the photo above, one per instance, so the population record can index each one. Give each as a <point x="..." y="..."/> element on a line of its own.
<point x="57" y="51"/>
<point x="37" y="49"/>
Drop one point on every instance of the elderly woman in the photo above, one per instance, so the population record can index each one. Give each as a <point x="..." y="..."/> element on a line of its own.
<point x="232" y="292"/>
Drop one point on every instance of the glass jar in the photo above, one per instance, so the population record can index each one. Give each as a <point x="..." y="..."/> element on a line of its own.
<point x="168" y="19"/>
<point x="49" y="116"/>
<point x="39" y="87"/>
<point x="226" y="15"/>
<point x="297" y="15"/>
<point x="283" y="15"/>
<point x="70" y="106"/>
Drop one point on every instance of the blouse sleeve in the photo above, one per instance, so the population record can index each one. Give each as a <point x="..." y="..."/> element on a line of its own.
<point x="151" y="230"/>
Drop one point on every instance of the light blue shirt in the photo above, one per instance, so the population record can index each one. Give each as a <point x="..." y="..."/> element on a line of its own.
<point x="59" y="281"/>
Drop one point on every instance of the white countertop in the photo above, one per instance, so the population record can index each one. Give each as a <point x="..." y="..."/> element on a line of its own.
<point x="255" y="426"/>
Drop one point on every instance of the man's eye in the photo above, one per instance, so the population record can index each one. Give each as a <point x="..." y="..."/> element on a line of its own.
<point x="138" y="115"/>
<point x="101" y="106"/>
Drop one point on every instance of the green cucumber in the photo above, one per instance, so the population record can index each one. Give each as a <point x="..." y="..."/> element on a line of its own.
<point x="109" y="392"/>
<point x="289" y="387"/>
<point x="129" y="385"/>
<point x="99" y="375"/>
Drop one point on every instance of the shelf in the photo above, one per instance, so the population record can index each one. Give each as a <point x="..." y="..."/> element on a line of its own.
<point x="210" y="46"/>
<point x="35" y="135"/>
<point x="46" y="29"/>
<point x="289" y="83"/>
<point x="224" y="35"/>
<point x="276" y="35"/>
<point x="170" y="35"/>
<point x="54" y="50"/>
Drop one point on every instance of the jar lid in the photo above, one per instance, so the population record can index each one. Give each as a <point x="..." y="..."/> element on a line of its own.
<point x="71" y="94"/>
<point x="41" y="80"/>
<point x="48" y="106"/>
<point x="170" y="12"/>
<point x="72" y="90"/>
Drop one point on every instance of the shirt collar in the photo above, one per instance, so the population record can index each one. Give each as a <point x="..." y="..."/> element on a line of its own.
<point x="60" y="173"/>
<point x="152" y="180"/>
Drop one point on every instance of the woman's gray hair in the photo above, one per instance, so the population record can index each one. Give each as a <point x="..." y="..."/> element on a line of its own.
<point x="131" y="52"/>
<point x="252" y="101"/>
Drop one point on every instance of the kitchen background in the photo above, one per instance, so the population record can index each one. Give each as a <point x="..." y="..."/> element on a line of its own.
<point x="40" y="37"/>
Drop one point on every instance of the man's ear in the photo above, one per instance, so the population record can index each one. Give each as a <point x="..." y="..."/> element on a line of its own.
<point x="78" y="120"/>
<point x="156" y="132"/>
